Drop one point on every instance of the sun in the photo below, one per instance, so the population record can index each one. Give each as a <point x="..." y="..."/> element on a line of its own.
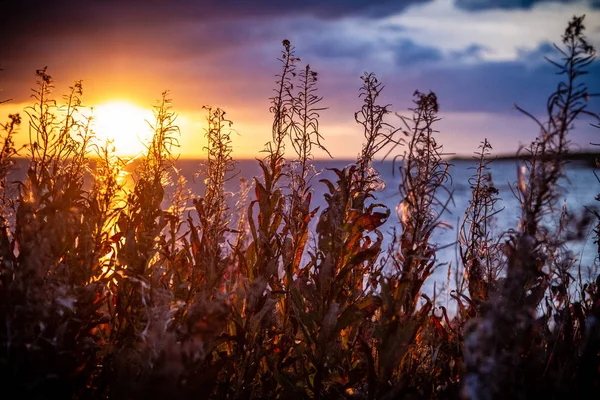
<point x="124" y="124"/>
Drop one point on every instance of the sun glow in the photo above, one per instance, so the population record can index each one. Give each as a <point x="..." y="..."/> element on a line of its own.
<point x="124" y="124"/>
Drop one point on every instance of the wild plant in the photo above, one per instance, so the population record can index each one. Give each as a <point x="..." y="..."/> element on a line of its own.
<point x="578" y="332"/>
<point x="303" y="125"/>
<point x="595" y="213"/>
<point x="8" y="153"/>
<point x="378" y="134"/>
<point x="331" y="294"/>
<point x="253" y="305"/>
<point x="479" y="252"/>
<point x="209" y="236"/>
<point x="173" y="244"/>
<point x="50" y="303"/>
<point x="242" y="231"/>
<point x="139" y="225"/>
<point x="434" y="360"/>
<point x="423" y="176"/>
<point x="304" y="132"/>
<point x="51" y="201"/>
<point x="501" y="348"/>
<point x="269" y="197"/>
<point x="191" y="307"/>
<point x="7" y="206"/>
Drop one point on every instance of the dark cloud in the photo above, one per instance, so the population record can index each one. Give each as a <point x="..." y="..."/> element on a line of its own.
<point x="328" y="48"/>
<point x="221" y="8"/>
<point x="395" y="28"/>
<point x="495" y="86"/>
<point x="319" y="8"/>
<point x="474" y="51"/>
<point x="478" y="5"/>
<point x="26" y="19"/>
<point x="47" y="32"/>
<point x="545" y="49"/>
<point x="407" y="53"/>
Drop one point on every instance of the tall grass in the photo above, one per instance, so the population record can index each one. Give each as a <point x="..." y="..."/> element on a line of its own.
<point x="109" y="290"/>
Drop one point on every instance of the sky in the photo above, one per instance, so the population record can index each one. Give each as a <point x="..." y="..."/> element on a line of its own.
<point x="479" y="57"/>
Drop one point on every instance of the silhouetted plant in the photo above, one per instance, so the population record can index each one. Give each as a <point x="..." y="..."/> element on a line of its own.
<point x="332" y="295"/>
<point x="50" y="303"/>
<point x="208" y="237"/>
<point x="501" y="351"/>
<point x="303" y="125"/>
<point x="423" y="174"/>
<point x="479" y="252"/>
<point x="378" y="133"/>
<point x="136" y="276"/>
<point x="254" y="306"/>
<point x="8" y="153"/>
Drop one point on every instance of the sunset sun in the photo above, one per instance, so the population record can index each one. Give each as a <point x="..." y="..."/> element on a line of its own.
<point x="123" y="123"/>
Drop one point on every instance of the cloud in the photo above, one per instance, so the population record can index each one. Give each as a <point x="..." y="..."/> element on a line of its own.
<point x="538" y="55"/>
<point x="404" y="52"/>
<point x="335" y="49"/>
<point x="478" y="5"/>
<point x="497" y="86"/>
<point x="473" y="52"/>
<point x="30" y="18"/>
<point x="319" y="8"/>
<point x="141" y="34"/>
<point x="408" y="53"/>
<point x="502" y="32"/>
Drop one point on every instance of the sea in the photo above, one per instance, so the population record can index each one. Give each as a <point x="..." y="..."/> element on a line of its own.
<point x="578" y="193"/>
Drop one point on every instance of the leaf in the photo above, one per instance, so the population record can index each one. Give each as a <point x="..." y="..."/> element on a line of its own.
<point x="439" y="327"/>
<point x="261" y="193"/>
<point x="329" y="185"/>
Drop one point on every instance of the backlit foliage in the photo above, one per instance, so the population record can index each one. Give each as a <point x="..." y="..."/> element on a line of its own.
<point x="116" y="286"/>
